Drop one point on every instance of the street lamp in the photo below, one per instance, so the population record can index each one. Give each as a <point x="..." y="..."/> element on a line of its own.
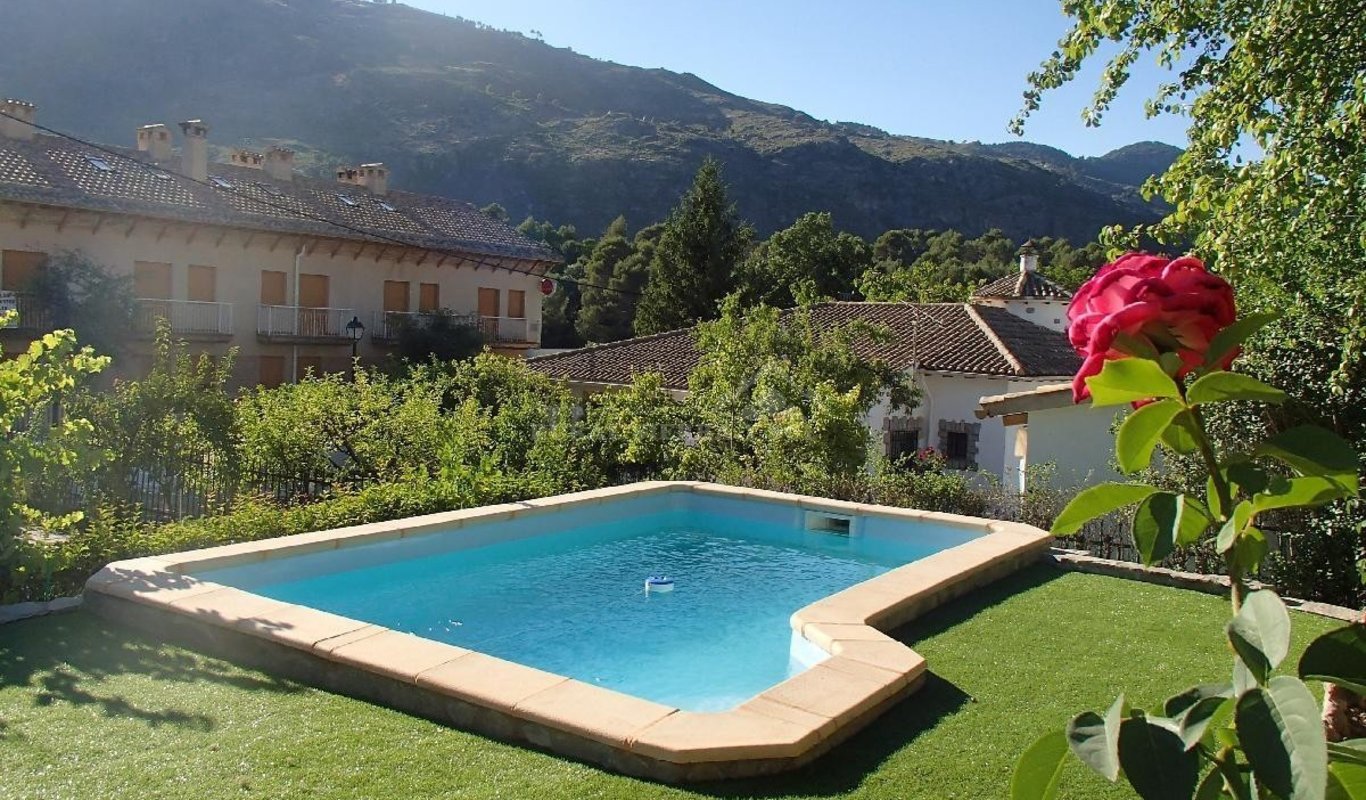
<point x="355" y="329"/>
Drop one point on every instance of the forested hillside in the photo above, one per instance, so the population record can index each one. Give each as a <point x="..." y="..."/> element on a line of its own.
<point x="461" y="109"/>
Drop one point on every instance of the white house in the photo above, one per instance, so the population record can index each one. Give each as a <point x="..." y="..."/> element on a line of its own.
<point x="1043" y="426"/>
<point x="1008" y="339"/>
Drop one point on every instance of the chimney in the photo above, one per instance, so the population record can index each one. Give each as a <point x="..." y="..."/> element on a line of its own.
<point x="194" y="156"/>
<point x="374" y="177"/>
<point x="280" y="163"/>
<point x="246" y="158"/>
<point x="16" y="120"/>
<point x="155" y="140"/>
<point x="1029" y="257"/>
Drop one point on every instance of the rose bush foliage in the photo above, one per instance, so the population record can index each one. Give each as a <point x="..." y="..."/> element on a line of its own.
<point x="1161" y="334"/>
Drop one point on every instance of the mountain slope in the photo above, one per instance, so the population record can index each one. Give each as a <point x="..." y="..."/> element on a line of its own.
<point x="460" y="109"/>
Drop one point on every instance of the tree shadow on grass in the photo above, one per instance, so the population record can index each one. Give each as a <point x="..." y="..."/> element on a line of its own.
<point x="844" y="768"/>
<point x="65" y="659"/>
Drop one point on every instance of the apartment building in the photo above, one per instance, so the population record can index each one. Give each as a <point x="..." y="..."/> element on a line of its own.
<point x="249" y="254"/>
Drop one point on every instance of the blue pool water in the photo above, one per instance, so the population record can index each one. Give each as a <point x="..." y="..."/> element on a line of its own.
<point x="563" y="590"/>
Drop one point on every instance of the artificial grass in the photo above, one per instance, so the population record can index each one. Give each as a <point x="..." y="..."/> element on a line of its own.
<point x="92" y="710"/>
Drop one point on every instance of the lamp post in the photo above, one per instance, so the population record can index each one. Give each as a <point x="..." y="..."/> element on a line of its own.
<point x="355" y="329"/>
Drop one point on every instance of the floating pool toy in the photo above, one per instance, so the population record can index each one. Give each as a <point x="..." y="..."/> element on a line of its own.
<point x="659" y="583"/>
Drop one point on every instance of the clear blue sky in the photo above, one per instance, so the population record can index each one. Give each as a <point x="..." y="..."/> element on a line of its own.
<point x="946" y="69"/>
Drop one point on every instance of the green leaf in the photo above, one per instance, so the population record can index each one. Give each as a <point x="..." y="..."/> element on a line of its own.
<point x="1346" y="782"/>
<point x="1260" y="633"/>
<point x="1311" y="450"/>
<point x="1248" y="476"/>
<point x="1141" y="432"/>
<point x="1338" y="656"/>
<point x="1098" y="501"/>
<point x="1219" y="387"/>
<point x="1156" y="521"/>
<point x="1194" y="709"/>
<point x="1212" y="495"/>
<point x="1352" y="751"/>
<point x="1180" y="435"/>
<point x="1249" y="549"/>
<point x="1238" y="520"/>
<point x="1130" y="379"/>
<point x="1164" y="521"/>
<point x="1232" y="337"/>
<point x="1156" y="762"/>
<point x="1211" y="787"/>
<point x="1313" y="490"/>
<point x="1040" y="768"/>
<point x="1095" y="740"/>
<point x="1282" y="736"/>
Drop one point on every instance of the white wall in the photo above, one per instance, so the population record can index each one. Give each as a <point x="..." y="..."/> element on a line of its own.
<point x="1077" y="439"/>
<point x="955" y="397"/>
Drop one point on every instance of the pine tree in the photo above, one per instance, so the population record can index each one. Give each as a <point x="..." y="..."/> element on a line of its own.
<point x="599" y="312"/>
<point x="692" y="269"/>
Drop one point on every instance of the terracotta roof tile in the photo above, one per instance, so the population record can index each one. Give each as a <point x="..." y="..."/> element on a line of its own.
<point x="1022" y="285"/>
<point x="55" y="171"/>
<point x="945" y="337"/>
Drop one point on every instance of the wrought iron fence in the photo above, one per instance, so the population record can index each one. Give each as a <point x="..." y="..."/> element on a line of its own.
<point x="172" y="489"/>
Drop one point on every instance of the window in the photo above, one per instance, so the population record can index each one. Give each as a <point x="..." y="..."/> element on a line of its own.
<point x="385" y="205"/>
<point x="162" y="176"/>
<point x="902" y="444"/>
<point x="203" y="286"/>
<point x="274" y="288"/>
<point x="313" y="291"/>
<point x="309" y="365"/>
<point x="18" y="268"/>
<point x="271" y="371"/>
<point x="516" y="304"/>
<point x="958" y="443"/>
<point x="395" y="296"/>
<point x="488" y="302"/>
<point x="99" y="163"/>
<point x="152" y="280"/>
<point x="222" y="183"/>
<point x="428" y="297"/>
<point x="347" y="201"/>
<point x="956" y="446"/>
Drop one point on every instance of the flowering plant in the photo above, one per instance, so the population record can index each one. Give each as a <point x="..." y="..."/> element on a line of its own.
<point x="1161" y="334"/>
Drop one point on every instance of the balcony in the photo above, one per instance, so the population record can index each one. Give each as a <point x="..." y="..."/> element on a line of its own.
<point x="510" y="330"/>
<point x="33" y="317"/>
<point x="189" y="319"/>
<point x="386" y="325"/>
<point x="300" y="325"/>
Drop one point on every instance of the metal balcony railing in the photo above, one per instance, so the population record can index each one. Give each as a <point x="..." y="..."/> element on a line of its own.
<point x="297" y="322"/>
<point x="33" y="314"/>
<point x="388" y="324"/>
<point x="186" y="317"/>
<point x="510" y="329"/>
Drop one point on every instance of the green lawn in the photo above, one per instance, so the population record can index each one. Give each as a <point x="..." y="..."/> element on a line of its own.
<point x="92" y="711"/>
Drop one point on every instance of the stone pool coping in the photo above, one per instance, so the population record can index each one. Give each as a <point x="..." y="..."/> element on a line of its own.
<point x="781" y="728"/>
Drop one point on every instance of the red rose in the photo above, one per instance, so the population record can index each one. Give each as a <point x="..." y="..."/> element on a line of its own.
<point x="1174" y="306"/>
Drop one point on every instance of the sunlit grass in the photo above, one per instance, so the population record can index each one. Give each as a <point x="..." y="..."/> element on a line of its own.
<point x="90" y="710"/>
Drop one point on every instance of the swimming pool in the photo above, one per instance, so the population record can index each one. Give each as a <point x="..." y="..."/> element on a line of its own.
<point x="532" y="621"/>
<point x="565" y="593"/>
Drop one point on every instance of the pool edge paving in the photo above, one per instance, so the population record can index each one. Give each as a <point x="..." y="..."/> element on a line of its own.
<point x="782" y="728"/>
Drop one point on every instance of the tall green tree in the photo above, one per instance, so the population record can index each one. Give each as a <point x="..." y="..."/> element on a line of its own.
<point x="599" y="318"/>
<point x="693" y="266"/>
<point x="805" y="262"/>
<point x="1270" y="190"/>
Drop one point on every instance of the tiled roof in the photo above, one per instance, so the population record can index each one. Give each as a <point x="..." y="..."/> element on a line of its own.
<point x="945" y="337"/>
<point x="54" y="171"/>
<point x="1024" y="284"/>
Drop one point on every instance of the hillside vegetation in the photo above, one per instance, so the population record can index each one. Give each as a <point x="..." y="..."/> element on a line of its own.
<point x="461" y="109"/>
